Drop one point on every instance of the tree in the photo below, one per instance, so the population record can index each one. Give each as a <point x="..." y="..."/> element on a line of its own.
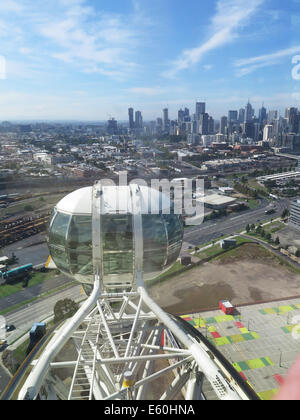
<point x="298" y="253"/>
<point x="248" y="228"/>
<point x="64" y="309"/>
<point x="277" y="241"/>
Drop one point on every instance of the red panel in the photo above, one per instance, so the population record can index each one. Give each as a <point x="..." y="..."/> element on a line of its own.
<point x="216" y="335"/>
<point x="243" y="376"/>
<point x="279" y="379"/>
<point x="163" y="338"/>
<point x="239" y="325"/>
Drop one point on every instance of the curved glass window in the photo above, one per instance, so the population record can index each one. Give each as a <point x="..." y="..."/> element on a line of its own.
<point x="118" y="244"/>
<point x="70" y="244"/>
<point x="60" y="258"/>
<point x="80" y="234"/>
<point x="175" y="236"/>
<point x="155" y="243"/>
<point x="59" y="229"/>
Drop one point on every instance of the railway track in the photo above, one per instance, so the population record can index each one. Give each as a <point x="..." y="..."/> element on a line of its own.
<point x="17" y="229"/>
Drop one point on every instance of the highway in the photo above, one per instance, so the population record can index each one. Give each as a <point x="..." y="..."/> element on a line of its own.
<point x="25" y="317"/>
<point x="213" y="229"/>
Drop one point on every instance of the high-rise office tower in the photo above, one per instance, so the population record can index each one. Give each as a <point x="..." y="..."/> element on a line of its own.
<point x="293" y="118"/>
<point x="268" y="132"/>
<point x="131" y="118"/>
<point x="200" y="109"/>
<point x="241" y="115"/>
<point x="232" y="116"/>
<point x="203" y="124"/>
<point x="112" y="126"/>
<point x="211" y="125"/>
<point x="166" y="121"/>
<point x="223" y="125"/>
<point x="248" y="113"/>
<point x="262" y="115"/>
<point x="272" y="116"/>
<point x="181" y="115"/>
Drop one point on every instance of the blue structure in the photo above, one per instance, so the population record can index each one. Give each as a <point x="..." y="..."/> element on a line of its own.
<point x="37" y="331"/>
<point x="15" y="272"/>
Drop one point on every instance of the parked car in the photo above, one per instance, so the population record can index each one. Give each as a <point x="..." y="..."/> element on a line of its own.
<point x="10" y="328"/>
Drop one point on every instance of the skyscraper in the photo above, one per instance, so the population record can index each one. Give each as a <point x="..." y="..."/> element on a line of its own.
<point x="131" y="120"/>
<point x="166" y="121"/>
<point x="262" y="116"/>
<point x="268" y="131"/>
<point x="248" y="113"/>
<point x="138" y="120"/>
<point x="203" y="124"/>
<point x="200" y="109"/>
<point x="241" y="115"/>
<point x="223" y="125"/>
<point x="232" y="116"/>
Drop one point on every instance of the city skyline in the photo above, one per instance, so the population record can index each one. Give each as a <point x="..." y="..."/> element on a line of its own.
<point x="79" y="60"/>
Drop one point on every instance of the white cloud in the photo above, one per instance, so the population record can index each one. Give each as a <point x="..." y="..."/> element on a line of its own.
<point x="11" y="6"/>
<point x="92" y="41"/>
<point x="229" y="17"/>
<point x="248" y="65"/>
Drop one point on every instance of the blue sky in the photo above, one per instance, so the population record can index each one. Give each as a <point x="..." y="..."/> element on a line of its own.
<point x="92" y="59"/>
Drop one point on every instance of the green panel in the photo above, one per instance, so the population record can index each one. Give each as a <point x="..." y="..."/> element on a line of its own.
<point x="221" y="341"/>
<point x="237" y="367"/>
<point x="238" y="338"/>
<point x="224" y="318"/>
<point x="262" y="312"/>
<point x="248" y="337"/>
<point x="255" y="364"/>
<point x="270" y="311"/>
<point x="267" y="395"/>
<point x="267" y="361"/>
<point x="244" y="366"/>
<point x="285" y="330"/>
<point x="285" y="309"/>
<point x="211" y="320"/>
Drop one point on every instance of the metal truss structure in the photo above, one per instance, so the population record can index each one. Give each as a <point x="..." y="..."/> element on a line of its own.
<point x="126" y="347"/>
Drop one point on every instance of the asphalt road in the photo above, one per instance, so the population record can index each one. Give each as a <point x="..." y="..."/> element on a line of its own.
<point x="25" y="317"/>
<point x="213" y="229"/>
<point x="31" y="292"/>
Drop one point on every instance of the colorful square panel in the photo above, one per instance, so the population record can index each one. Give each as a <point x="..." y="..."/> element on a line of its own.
<point x="248" y="337"/>
<point x="222" y="341"/>
<point x="255" y="364"/>
<point x="279" y="379"/>
<point x="224" y="318"/>
<point x="210" y="320"/>
<point x="267" y="395"/>
<point x="244" y="330"/>
<point x="284" y="309"/>
<point x="238" y="338"/>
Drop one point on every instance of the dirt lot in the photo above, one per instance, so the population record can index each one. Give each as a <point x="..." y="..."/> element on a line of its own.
<point x="249" y="274"/>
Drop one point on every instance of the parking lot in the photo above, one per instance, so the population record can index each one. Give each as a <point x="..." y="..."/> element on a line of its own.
<point x="261" y="341"/>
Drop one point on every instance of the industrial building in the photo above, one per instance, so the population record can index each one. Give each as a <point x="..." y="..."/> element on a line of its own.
<point x="217" y="201"/>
